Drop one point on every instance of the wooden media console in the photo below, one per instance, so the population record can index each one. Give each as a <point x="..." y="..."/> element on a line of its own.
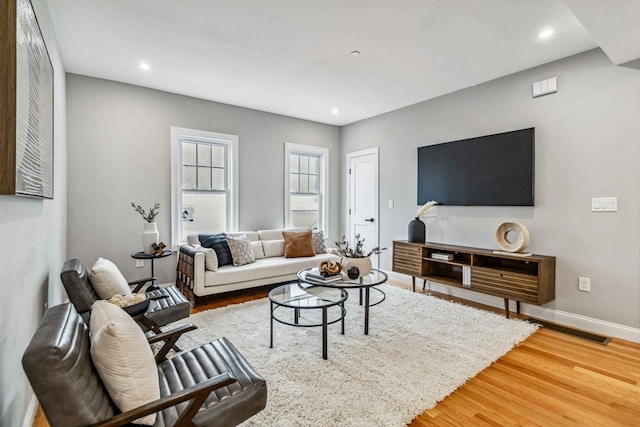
<point x="529" y="279"/>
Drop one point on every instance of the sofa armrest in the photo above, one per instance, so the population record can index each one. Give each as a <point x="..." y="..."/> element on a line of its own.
<point x="190" y="268"/>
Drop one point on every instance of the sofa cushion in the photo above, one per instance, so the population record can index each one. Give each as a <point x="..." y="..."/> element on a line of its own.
<point x="273" y="234"/>
<point x="273" y="248"/>
<point x="258" y="251"/>
<point x="298" y="244"/>
<point x="217" y="242"/>
<point x="252" y="236"/>
<point x="318" y="242"/>
<point x="107" y="280"/>
<point x="241" y="251"/>
<point x="123" y="359"/>
<point x="270" y="267"/>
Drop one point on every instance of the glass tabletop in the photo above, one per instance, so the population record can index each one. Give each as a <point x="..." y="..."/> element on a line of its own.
<point x="292" y="295"/>
<point x="376" y="277"/>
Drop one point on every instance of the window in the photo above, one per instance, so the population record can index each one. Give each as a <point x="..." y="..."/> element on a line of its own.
<point x="204" y="179"/>
<point x="306" y="187"/>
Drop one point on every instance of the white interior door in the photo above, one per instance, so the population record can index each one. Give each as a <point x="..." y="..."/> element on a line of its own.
<point x="362" y="214"/>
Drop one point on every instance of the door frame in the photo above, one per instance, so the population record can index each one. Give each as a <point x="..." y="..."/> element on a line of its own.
<point x="349" y="156"/>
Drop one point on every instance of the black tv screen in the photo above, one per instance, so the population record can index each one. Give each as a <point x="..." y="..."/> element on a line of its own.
<point x="492" y="170"/>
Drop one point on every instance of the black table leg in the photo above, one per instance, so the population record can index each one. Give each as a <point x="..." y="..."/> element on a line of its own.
<point x="366" y="310"/>
<point x="342" y="314"/>
<point x="324" y="333"/>
<point x="271" y="328"/>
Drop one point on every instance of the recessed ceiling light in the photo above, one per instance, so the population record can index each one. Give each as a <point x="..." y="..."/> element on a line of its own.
<point x="355" y="53"/>
<point x="144" y="66"/>
<point x="545" y="34"/>
<point x="334" y="111"/>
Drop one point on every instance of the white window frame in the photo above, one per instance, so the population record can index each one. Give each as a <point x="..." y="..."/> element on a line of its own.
<point x="231" y="141"/>
<point x="290" y="148"/>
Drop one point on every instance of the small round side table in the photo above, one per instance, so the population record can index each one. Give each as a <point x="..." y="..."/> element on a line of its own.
<point x="142" y="255"/>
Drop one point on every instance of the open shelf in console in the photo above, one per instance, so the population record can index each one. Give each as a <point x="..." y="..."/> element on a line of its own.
<point x="512" y="265"/>
<point x="446" y="272"/>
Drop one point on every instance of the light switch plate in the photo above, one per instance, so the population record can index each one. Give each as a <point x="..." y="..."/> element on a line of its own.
<point x="604" y="204"/>
<point x="545" y="87"/>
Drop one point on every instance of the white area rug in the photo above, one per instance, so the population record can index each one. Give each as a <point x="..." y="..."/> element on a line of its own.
<point x="419" y="350"/>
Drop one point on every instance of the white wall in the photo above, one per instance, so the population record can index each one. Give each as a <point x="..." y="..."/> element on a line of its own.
<point x="119" y="152"/>
<point x="587" y="144"/>
<point x="32" y="248"/>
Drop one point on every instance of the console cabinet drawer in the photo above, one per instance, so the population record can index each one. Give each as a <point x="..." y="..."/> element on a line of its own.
<point x="520" y="287"/>
<point x="407" y="258"/>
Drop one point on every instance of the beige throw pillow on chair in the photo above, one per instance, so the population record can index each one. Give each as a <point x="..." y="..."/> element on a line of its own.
<point x="123" y="358"/>
<point x="107" y="280"/>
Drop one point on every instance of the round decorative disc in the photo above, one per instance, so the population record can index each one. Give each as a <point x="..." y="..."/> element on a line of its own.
<point x="512" y="236"/>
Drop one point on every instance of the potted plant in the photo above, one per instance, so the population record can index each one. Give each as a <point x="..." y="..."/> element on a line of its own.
<point x="150" y="234"/>
<point x="355" y="256"/>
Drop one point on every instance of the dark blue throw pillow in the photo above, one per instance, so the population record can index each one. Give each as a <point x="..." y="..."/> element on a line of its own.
<point x="217" y="242"/>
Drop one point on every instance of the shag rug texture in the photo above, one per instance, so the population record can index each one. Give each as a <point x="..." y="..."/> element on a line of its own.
<point x="418" y="351"/>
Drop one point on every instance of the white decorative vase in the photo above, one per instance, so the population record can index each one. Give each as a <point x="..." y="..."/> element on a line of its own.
<point x="363" y="264"/>
<point x="150" y="236"/>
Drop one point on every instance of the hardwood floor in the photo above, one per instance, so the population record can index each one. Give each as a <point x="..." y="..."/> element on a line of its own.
<point x="550" y="379"/>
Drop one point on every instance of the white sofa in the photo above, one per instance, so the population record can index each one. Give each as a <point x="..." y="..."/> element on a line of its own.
<point x="270" y="266"/>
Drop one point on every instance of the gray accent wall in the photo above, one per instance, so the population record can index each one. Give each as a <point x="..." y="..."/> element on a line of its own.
<point x="32" y="247"/>
<point x="120" y="152"/>
<point x="587" y="145"/>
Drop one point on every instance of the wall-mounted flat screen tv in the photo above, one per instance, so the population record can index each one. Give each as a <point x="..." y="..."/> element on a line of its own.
<point x="492" y="170"/>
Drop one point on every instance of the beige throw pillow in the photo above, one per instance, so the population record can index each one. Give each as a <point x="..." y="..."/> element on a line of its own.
<point x="107" y="280"/>
<point x="210" y="258"/>
<point x="123" y="358"/>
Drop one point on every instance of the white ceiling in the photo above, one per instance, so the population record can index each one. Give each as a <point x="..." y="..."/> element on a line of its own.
<point x="291" y="57"/>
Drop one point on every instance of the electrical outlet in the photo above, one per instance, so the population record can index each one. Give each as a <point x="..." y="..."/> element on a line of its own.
<point x="584" y="284"/>
<point x="139" y="263"/>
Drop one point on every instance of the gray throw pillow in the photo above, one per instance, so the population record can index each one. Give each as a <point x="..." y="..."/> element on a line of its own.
<point x="318" y="242"/>
<point x="241" y="251"/>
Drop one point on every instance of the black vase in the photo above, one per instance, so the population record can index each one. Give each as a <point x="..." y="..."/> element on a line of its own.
<point x="417" y="230"/>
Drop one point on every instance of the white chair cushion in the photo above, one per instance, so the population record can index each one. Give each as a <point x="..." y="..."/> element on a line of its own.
<point x="123" y="359"/>
<point x="107" y="280"/>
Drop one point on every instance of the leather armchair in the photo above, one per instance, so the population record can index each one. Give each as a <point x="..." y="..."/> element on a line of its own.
<point x="61" y="372"/>
<point x="162" y="310"/>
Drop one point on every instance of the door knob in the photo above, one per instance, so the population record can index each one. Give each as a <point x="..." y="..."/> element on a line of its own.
<point x="369" y="219"/>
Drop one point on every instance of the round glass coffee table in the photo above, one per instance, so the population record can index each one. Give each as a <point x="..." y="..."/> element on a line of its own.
<point x="364" y="284"/>
<point x="292" y="296"/>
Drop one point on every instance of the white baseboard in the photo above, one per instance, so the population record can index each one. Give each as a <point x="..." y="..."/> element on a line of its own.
<point x="31" y="412"/>
<point x="578" y="321"/>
